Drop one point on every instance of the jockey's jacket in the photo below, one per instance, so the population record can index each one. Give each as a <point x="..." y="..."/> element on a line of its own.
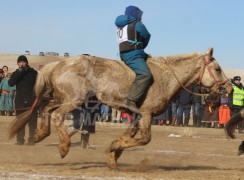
<point x="128" y="38"/>
<point x="238" y="96"/>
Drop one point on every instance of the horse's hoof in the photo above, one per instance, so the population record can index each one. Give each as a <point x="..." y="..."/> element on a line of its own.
<point x="39" y="136"/>
<point x="63" y="151"/>
<point x="112" y="164"/>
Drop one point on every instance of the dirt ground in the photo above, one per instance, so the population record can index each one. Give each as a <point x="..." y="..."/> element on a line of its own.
<point x="203" y="153"/>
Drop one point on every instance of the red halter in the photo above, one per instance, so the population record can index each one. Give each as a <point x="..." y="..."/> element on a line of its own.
<point x="206" y="64"/>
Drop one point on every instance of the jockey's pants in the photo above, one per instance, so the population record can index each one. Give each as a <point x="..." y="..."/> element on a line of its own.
<point x="136" y="60"/>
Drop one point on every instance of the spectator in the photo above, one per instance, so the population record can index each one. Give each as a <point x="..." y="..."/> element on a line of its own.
<point x="184" y="101"/>
<point x="84" y="120"/>
<point x="116" y="115"/>
<point x="1" y="78"/>
<point x="126" y="118"/>
<point x="211" y="112"/>
<point x="105" y="113"/>
<point x="1" y="75"/>
<point x="5" y="71"/>
<point x="196" y="105"/>
<point x="236" y="99"/>
<point x="224" y="110"/>
<point x="24" y="79"/>
<point x="165" y="117"/>
<point x="6" y="98"/>
<point x="174" y="106"/>
<point x="203" y="103"/>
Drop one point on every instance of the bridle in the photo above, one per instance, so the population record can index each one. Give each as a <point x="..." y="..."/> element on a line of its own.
<point x="206" y="65"/>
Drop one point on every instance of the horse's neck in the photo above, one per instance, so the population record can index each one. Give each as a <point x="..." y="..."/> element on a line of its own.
<point x="182" y="71"/>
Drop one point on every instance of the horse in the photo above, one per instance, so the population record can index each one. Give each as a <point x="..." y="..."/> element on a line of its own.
<point x="230" y="126"/>
<point x="70" y="81"/>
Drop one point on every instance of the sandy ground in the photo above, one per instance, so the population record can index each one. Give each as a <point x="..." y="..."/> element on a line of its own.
<point x="205" y="153"/>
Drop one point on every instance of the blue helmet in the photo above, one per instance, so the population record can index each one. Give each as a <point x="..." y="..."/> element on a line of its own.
<point x="134" y="12"/>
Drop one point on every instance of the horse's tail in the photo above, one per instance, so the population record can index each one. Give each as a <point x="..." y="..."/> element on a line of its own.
<point x="43" y="86"/>
<point x="230" y="126"/>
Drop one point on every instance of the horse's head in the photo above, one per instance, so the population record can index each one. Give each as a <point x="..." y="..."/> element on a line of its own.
<point x="211" y="74"/>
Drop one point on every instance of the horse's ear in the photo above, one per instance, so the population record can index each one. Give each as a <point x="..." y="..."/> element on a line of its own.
<point x="210" y="52"/>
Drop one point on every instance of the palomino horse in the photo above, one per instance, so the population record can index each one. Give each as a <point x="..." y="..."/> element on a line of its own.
<point x="110" y="80"/>
<point x="231" y="125"/>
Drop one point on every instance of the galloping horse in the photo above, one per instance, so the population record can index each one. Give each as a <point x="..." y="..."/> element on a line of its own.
<point x="110" y="80"/>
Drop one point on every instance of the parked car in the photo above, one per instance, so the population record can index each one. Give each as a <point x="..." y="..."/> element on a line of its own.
<point x="66" y="54"/>
<point x="41" y="54"/>
<point x="27" y="52"/>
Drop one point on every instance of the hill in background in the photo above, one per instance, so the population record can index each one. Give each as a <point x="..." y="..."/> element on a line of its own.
<point x="10" y="60"/>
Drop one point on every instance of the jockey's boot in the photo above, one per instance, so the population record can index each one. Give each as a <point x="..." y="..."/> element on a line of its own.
<point x="241" y="149"/>
<point x="131" y="105"/>
<point x="71" y="131"/>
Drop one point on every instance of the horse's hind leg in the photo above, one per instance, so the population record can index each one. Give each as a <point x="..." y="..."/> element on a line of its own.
<point x="127" y="140"/>
<point x="44" y="130"/>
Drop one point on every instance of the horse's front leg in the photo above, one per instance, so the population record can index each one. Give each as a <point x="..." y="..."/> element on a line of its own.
<point x="57" y="117"/>
<point x="127" y="140"/>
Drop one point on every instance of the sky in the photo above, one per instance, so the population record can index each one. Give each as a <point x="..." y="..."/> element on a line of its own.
<point x="87" y="26"/>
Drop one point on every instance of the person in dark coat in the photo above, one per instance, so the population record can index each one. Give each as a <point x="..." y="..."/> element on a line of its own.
<point x="164" y="118"/>
<point x="184" y="102"/>
<point x="24" y="78"/>
<point x="196" y="105"/>
<point x="84" y="119"/>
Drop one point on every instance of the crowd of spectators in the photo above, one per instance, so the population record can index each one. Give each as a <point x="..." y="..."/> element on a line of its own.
<point x="211" y="111"/>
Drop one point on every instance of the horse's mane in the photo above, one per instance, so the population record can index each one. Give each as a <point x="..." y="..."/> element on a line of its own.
<point x="168" y="59"/>
<point x="174" y="60"/>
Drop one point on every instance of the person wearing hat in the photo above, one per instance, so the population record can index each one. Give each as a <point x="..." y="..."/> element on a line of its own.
<point x="24" y="79"/>
<point x="236" y="99"/>
<point x="133" y="38"/>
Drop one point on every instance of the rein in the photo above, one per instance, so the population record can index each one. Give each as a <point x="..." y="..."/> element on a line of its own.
<point x="197" y="94"/>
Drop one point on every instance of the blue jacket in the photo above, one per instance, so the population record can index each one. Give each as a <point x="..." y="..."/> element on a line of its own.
<point x="123" y="20"/>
